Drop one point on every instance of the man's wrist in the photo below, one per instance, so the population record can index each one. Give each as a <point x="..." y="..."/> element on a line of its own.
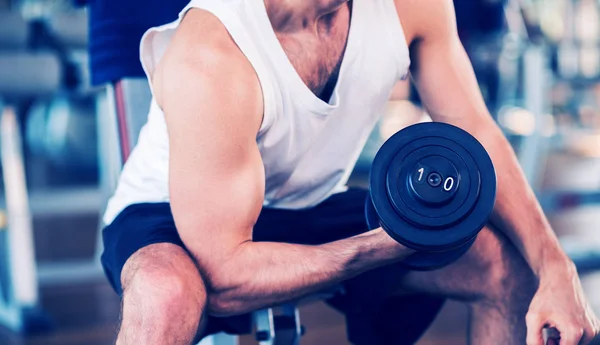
<point x="543" y="250"/>
<point x="554" y="262"/>
<point x="395" y="251"/>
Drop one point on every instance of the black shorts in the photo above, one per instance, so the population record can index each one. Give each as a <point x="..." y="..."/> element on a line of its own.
<point x="373" y="315"/>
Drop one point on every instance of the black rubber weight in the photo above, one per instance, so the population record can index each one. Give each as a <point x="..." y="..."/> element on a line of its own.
<point x="440" y="220"/>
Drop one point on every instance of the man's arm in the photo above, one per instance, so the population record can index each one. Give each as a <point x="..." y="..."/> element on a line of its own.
<point x="213" y="107"/>
<point x="449" y="90"/>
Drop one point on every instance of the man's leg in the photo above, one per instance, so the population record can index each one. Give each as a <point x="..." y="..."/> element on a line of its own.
<point x="495" y="282"/>
<point x="164" y="297"/>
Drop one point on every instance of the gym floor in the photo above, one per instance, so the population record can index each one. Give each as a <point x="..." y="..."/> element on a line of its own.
<point x="88" y="314"/>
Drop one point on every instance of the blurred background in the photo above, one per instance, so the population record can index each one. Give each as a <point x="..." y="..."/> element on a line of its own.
<point x="72" y="100"/>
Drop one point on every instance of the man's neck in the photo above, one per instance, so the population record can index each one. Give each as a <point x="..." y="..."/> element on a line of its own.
<point x="294" y="15"/>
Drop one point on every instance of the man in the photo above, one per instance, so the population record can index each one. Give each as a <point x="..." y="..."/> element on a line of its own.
<point x="235" y="198"/>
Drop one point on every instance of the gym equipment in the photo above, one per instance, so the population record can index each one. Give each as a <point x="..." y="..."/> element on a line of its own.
<point x="283" y="328"/>
<point x="24" y="76"/>
<point x="70" y="28"/>
<point x="19" y="300"/>
<point x="14" y="33"/>
<point x="533" y="74"/>
<point x="432" y="188"/>
<point x="28" y="74"/>
<point x="62" y="131"/>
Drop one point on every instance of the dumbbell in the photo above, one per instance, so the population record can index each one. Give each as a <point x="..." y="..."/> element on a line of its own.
<point x="432" y="188"/>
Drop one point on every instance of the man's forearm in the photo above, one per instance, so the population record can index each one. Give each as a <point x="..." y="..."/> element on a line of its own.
<point x="261" y="274"/>
<point x="517" y="212"/>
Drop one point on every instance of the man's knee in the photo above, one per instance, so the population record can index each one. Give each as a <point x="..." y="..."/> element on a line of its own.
<point x="166" y="288"/>
<point x="163" y="277"/>
<point x="163" y="297"/>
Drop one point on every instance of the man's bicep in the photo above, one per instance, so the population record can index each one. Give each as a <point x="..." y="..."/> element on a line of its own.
<point x="215" y="196"/>
<point x="216" y="177"/>
<point x="216" y="183"/>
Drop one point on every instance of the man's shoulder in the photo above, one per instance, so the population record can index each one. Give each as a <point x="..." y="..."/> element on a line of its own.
<point x="202" y="50"/>
<point x="202" y="35"/>
<point x="421" y="18"/>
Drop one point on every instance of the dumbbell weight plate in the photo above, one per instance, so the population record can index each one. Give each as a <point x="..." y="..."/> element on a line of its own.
<point x="423" y="217"/>
<point x="463" y="173"/>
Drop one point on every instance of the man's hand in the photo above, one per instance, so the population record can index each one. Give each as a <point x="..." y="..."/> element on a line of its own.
<point x="560" y="303"/>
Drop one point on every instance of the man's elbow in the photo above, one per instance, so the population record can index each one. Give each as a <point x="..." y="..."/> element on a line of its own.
<point x="224" y="304"/>
<point x="226" y="295"/>
<point x="227" y="281"/>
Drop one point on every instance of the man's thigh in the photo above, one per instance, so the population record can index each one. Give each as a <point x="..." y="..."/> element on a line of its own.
<point x="486" y="269"/>
<point x="491" y="271"/>
<point x="379" y="310"/>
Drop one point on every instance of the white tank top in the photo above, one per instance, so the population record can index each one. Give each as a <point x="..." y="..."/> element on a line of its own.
<point x="308" y="146"/>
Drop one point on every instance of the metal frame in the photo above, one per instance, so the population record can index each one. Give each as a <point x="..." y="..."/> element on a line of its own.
<point x="281" y="329"/>
<point x="537" y="79"/>
<point x="19" y="302"/>
<point x="67" y="202"/>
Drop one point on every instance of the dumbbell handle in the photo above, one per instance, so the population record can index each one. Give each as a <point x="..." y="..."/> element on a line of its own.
<point x="551" y="336"/>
